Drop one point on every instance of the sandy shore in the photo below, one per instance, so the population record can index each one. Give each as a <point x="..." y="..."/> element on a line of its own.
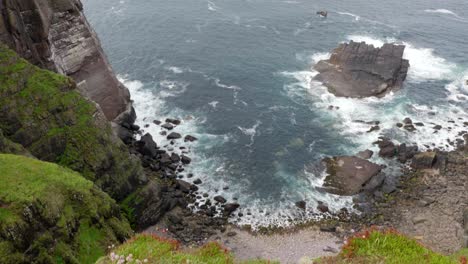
<point x="295" y="247"/>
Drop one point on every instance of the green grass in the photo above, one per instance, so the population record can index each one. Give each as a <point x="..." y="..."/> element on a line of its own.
<point x="158" y="250"/>
<point x="389" y="247"/>
<point x="44" y="112"/>
<point x="54" y="214"/>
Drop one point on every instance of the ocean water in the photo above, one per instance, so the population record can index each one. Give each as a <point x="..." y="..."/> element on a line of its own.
<point x="239" y="74"/>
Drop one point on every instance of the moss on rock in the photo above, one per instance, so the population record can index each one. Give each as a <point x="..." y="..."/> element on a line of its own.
<point x="51" y="214"/>
<point x="43" y="112"/>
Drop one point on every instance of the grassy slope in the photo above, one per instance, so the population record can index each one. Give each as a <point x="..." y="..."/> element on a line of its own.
<point x="44" y="113"/>
<point x="390" y="247"/>
<point x="157" y="250"/>
<point x="54" y="214"/>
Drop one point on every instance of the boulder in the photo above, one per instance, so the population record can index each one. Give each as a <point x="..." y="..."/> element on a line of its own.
<point x="219" y="199"/>
<point x="147" y="146"/>
<point x="167" y="126"/>
<point x="365" y="154"/>
<point x="387" y="148"/>
<point x="348" y="174"/>
<point x="230" y="208"/>
<point x="173" y="135"/>
<point x="301" y="205"/>
<point x="424" y="160"/>
<point x="189" y="138"/>
<point x="173" y="121"/>
<point x="406" y="153"/>
<point x="185" y="159"/>
<point x="361" y="70"/>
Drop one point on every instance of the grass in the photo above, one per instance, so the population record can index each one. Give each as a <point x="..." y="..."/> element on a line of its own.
<point x="54" y="214"/>
<point x="158" y="250"/>
<point x="44" y="112"/>
<point x="389" y="247"/>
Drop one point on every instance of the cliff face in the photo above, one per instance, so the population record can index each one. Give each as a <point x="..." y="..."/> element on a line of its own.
<point x="55" y="35"/>
<point x="42" y="113"/>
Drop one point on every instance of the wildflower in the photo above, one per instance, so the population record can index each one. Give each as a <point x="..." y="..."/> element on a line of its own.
<point x="145" y="260"/>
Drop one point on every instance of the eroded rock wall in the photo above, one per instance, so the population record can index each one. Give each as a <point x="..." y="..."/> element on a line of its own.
<point x="55" y="35"/>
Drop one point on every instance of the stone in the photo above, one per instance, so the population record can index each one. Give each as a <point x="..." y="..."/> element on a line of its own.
<point x="175" y="158"/>
<point x="301" y="205"/>
<point x="173" y="135"/>
<point x="147" y="146"/>
<point x="387" y="148"/>
<point x="230" y="208"/>
<point x="419" y="219"/>
<point x="424" y="160"/>
<point x="190" y="138"/>
<point x="360" y="70"/>
<point x="219" y="199"/>
<point x="406" y="153"/>
<point x="167" y="126"/>
<point x="197" y="181"/>
<point x="322" y="207"/>
<point x="437" y="127"/>
<point x="185" y="159"/>
<point x="156" y="122"/>
<point x="173" y="121"/>
<point x="348" y="174"/>
<point x="374" y="128"/>
<point x="365" y="154"/>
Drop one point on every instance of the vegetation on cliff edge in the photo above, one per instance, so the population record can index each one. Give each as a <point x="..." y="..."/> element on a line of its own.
<point x="44" y="112"/>
<point x="50" y="214"/>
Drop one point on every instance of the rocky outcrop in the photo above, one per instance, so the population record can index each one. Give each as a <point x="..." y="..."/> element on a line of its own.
<point x="55" y="35"/>
<point x="360" y="70"/>
<point x="348" y="175"/>
<point x="43" y="112"/>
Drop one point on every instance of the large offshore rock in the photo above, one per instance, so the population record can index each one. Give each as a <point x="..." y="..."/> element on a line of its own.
<point x="55" y="35"/>
<point x="348" y="175"/>
<point x="360" y="70"/>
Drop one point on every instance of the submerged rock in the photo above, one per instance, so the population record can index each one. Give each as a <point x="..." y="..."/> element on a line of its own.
<point x="360" y="70"/>
<point x="347" y="174"/>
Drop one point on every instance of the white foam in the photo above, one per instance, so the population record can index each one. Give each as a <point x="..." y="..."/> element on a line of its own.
<point x="172" y="88"/>
<point x="175" y="70"/>
<point x="213" y="104"/>
<point x="424" y="63"/>
<point x="356" y="17"/>
<point x="458" y="89"/>
<point x="212" y="6"/>
<point x="251" y="132"/>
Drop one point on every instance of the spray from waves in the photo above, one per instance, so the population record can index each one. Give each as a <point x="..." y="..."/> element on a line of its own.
<point x="356" y="17"/>
<point x="351" y="115"/>
<point x="458" y="89"/>
<point x="424" y="64"/>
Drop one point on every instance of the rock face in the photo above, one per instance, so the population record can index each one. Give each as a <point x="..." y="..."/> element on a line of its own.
<point x="348" y="175"/>
<point x="55" y="35"/>
<point x="360" y="70"/>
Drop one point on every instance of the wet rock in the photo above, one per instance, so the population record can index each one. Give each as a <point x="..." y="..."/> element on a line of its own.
<point x="168" y="126"/>
<point x="400" y="125"/>
<point x="322" y="207"/>
<point x="189" y="138"/>
<point x="347" y="174"/>
<point x="387" y="148"/>
<point x="147" y="146"/>
<point x="424" y="160"/>
<point x="220" y="199"/>
<point x="173" y="135"/>
<point x="163" y="133"/>
<point x="374" y="128"/>
<point x="184" y="186"/>
<point x="185" y="159"/>
<point x="156" y="122"/>
<point x="407" y="121"/>
<point x="420" y="124"/>
<point x="437" y="127"/>
<point x="230" y="208"/>
<point x="301" y="205"/>
<point x="231" y="234"/>
<point x="173" y="121"/>
<point x="410" y="127"/>
<point x="328" y="228"/>
<point x="175" y="157"/>
<point x="365" y="154"/>
<point x="360" y="70"/>
<point x="197" y="181"/>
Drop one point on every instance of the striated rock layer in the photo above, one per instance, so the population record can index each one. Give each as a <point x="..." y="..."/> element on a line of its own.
<point x="55" y="35"/>
<point x="360" y="70"/>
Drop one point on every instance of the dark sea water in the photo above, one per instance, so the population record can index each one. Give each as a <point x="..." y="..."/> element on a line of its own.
<point x="239" y="73"/>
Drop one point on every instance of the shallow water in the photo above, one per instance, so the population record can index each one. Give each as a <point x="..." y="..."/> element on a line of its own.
<point x="239" y="74"/>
